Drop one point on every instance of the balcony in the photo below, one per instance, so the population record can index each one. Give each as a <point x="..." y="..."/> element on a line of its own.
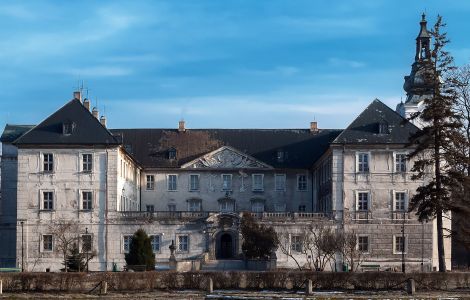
<point x="283" y="216"/>
<point x="400" y="216"/>
<point x="165" y="215"/>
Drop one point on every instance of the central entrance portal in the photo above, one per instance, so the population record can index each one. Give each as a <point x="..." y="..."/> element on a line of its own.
<point x="226" y="246"/>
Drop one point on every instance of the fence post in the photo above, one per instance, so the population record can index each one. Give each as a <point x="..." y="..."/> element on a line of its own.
<point x="410" y="286"/>
<point x="309" y="287"/>
<point x="1" y="287"/>
<point x="104" y="287"/>
<point x="210" y="286"/>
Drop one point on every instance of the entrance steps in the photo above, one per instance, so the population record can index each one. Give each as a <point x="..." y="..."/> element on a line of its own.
<point x="223" y="265"/>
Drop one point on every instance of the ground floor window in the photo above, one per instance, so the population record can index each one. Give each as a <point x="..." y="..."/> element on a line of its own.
<point x="399" y="244"/>
<point x="126" y="243"/>
<point x="47" y="242"/>
<point x="363" y="243"/>
<point x="183" y="243"/>
<point x="296" y="243"/>
<point x="155" y="241"/>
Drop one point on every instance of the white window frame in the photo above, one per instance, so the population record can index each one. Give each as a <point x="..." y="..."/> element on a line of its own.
<point x="43" y="161"/>
<point x="170" y="188"/>
<point x="172" y="207"/>
<point x="227" y="187"/>
<point x="82" y="200"/>
<point x="255" y="187"/>
<point x="257" y="206"/>
<point x="368" y="200"/>
<point x="224" y="205"/>
<point x="150" y="184"/>
<point x="304" y="189"/>
<point x="358" y="243"/>
<point x="296" y="243"/>
<point x="395" y="236"/>
<point x="179" y="244"/>
<point x="42" y="199"/>
<point x="192" y="206"/>
<point x="402" y="163"/>
<point x="43" y="240"/>
<point x="278" y="188"/>
<point x="405" y="200"/>
<point x="127" y="237"/>
<point x="191" y="187"/>
<point x="152" y="243"/>
<point x="360" y="165"/>
<point x="89" y="164"/>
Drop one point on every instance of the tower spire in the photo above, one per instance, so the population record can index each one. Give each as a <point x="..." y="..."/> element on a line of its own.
<point x="423" y="41"/>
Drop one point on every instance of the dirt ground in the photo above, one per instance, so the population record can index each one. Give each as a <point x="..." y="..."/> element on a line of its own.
<point x="245" y="295"/>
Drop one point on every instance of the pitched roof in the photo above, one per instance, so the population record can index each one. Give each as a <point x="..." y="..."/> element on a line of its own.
<point x="12" y="132"/>
<point x="87" y="130"/>
<point x="302" y="148"/>
<point x="365" y="129"/>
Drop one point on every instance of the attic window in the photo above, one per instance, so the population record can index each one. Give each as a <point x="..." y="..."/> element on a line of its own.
<point x="383" y="128"/>
<point x="281" y="155"/>
<point x="68" y="128"/>
<point x="172" y="153"/>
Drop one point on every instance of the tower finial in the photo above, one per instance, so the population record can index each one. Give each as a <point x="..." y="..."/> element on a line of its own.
<point x="423" y="17"/>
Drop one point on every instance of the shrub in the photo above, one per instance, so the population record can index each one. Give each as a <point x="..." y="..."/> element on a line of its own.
<point x="140" y="251"/>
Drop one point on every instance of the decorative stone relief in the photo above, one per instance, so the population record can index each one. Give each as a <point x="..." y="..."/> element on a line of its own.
<point x="226" y="158"/>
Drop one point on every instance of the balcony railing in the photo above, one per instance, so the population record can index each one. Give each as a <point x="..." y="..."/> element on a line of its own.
<point x="288" y="215"/>
<point x="165" y="215"/>
<point x="400" y="215"/>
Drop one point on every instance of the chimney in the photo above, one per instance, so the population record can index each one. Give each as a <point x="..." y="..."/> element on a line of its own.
<point x="313" y="127"/>
<point x="86" y="103"/>
<point x="103" y="121"/>
<point x="95" y="113"/>
<point x="181" y="127"/>
<point x="77" y="95"/>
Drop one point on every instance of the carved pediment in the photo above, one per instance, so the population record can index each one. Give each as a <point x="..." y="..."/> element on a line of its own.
<point x="226" y="158"/>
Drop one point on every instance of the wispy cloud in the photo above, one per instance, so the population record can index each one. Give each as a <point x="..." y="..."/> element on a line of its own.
<point x="96" y="71"/>
<point x="17" y="11"/>
<point x="337" y="26"/>
<point x="338" y="62"/>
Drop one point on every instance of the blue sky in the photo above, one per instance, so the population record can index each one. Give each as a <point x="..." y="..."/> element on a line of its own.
<point x="217" y="64"/>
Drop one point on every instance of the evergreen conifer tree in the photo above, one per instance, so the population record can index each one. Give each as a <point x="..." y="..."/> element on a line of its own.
<point x="435" y="143"/>
<point x="259" y="241"/>
<point x="140" y="251"/>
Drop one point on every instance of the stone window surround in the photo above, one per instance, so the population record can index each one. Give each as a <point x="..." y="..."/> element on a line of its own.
<point x="149" y="184"/>
<point x="42" y="248"/>
<point x="395" y="154"/>
<point x="368" y="243"/>
<point x="192" y="202"/>
<point x="125" y="237"/>
<point x="81" y="199"/>
<point x="172" y="188"/>
<point x="41" y="199"/>
<point x="395" y="236"/>
<point x="394" y="195"/>
<point x="183" y="241"/>
<point x="369" y="200"/>
<point x="255" y="188"/>
<point x="160" y="241"/>
<point x="52" y="163"/>
<point x="365" y="166"/>
<point x="284" y="180"/>
<point x="227" y="187"/>
<point x="295" y="243"/>
<point x="304" y="184"/>
<point x="190" y="186"/>
<point x="89" y="164"/>
<point x="81" y="242"/>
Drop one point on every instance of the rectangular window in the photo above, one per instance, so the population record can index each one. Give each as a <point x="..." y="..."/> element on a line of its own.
<point x="86" y="243"/>
<point x="363" y="162"/>
<point x="150" y="182"/>
<point x="183" y="243"/>
<point x="400" y="162"/>
<point x="363" y="243"/>
<point x="87" y="162"/>
<point x="171" y="207"/>
<point x="48" y="162"/>
<point x="150" y="208"/>
<point x="47" y="242"/>
<point x="155" y="241"/>
<point x="280" y="182"/>
<point x="257" y="206"/>
<point x="302" y="208"/>
<point x="172" y="183"/>
<point x="195" y="205"/>
<point x="257" y="181"/>
<point x="301" y="182"/>
<point x="226" y="182"/>
<point x="296" y="243"/>
<point x="194" y="182"/>
<point x="87" y="200"/>
<point x="227" y="206"/>
<point x="400" y="201"/>
<point x="400" y="244"/>
<point x="362" y="201"/>
<point x="126" y="243"/>
<point x="48" y="200"/>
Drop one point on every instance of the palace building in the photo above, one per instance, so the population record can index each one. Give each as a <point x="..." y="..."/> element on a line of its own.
<point x="190" y="186"/>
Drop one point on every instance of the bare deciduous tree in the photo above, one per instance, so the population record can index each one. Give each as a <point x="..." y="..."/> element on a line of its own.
<point x="350" y="250"/>
<point x="66" y="235"/>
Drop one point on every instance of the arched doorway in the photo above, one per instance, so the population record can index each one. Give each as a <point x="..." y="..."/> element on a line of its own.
<point x="225" y="246"/>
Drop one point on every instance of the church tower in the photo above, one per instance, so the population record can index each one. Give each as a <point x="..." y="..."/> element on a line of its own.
<point x="418" y="85"/>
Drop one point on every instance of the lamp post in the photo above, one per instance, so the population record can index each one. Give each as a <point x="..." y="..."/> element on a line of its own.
<point x="86" y="249"/>
<point x="22" y="246"/>
<point x="403" y="245"/>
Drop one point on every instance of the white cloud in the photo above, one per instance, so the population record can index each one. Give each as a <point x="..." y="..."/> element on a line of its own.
<point x="338" y="62"/>
<point x="98" y="71"/>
